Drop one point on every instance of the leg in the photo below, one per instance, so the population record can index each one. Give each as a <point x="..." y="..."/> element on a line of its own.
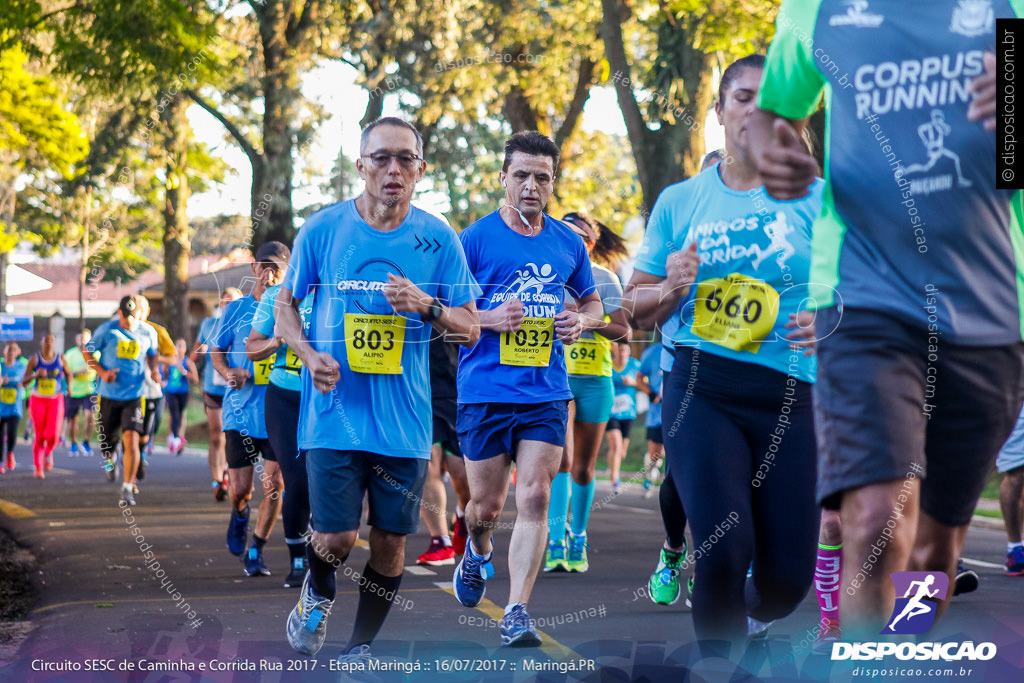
<point x="828" y="570"/>
<point x="937" y="548"/>
<point x="614" y="439"/>
<point x="673" y="516"/>
<point x="435" y="503"/>
<point x="488" y="487"/>
<point x="537" y="463"/>
<point x="240" y="489"/>
<point x="216" y="453"/>
<point x="588" y="442"/>
<point x="868" y="595"/>
<point x="378" y="586"/>
<point x="1011" y="491"/>
<point x="130" y="466"/>
<point x="270" y="507"/>
<point x="457" y="471"/>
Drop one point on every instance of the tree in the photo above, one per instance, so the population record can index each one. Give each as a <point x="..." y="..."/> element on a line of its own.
<point x="37" y="137"/>
<point x="675" y="47"/>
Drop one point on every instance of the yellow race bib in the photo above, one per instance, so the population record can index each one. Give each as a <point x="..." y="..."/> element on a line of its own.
<point x="374" y="343"/>
<point x="46" y="387"/>
<point x="531" y="345"/>
<point x="127" y="348"/>
<point x="8" y="396"/>
<point x="292" y="363"/>
<point x="587" y="356"/>
<point x="262" y="369"/>
<point x="736" y="312"/>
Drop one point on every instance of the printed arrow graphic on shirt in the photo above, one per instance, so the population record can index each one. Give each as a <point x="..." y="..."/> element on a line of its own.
<point x="426" y="244"/>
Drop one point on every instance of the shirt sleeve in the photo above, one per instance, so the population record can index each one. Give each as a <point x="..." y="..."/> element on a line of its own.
<point x="791" y="85"/>
<point x="610" y="290"/>
<point x="581" y="282"/>
<point x="263" y="318"/>
<point x="164" y="342"/>
<point x="457" y="286"/>
<point x="303" y="269"/>
<point x="155" y="343"/>
<point x="224" y="333"/>
<point x="657" y="244"/>
<point x="97" y="339"/>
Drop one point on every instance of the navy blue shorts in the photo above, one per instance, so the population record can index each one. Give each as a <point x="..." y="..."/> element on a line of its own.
<point x="338" y="481"/>
<point x="487" y="430"/>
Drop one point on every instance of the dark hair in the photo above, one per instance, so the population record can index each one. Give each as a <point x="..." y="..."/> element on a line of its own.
<point x="533" y="143"/>
<point x="712" y="157"/>
<point x="609" y="249"/>
<point x="754" y="61"/>
<point x="364" y="137"/>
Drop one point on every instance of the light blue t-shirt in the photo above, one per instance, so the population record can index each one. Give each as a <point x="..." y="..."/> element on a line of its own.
<point x="213" y="383"/>
<point x="287" y="372"/>
<point x="10" y="377"/>
<point x="125" y="350"/>
<point x="651" y="368"/>
<point x="536" y="270"/>
<point x="346" y="262"/>
<point x="242" y="410"/>
<point x="624" y="404"/>
<point x="754" y="267"/>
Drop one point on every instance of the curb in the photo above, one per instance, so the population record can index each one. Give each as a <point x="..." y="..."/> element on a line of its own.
<point x="988" y="523"/>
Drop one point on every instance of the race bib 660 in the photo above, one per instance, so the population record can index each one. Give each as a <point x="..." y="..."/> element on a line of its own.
<point x="736" y="311"/>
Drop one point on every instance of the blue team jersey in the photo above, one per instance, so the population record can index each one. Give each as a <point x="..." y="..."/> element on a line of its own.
<point x="624" y="404"/>
<point x="382" y="402"/>
<point x="527" y="367"/>
<point x="287" y="372"/>
<point x="755" y="255"/>
<point x="243" y="408"/>
<point x="213" y="383"/>
<point x="12" y="394"/>
<point x="177" y="378"/>
<point x="126" y="351"/>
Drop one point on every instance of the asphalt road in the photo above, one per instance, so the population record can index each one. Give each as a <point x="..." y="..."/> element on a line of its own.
<point x="104" y="606"/>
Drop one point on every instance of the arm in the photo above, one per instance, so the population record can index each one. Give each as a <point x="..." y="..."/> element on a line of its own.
<point x="650" y="300"/>
<point x="784" y="164"/>
<point x="324" y="369"/>
<point x="235" y="376"/>
<point x="261" y="346"/>
<point x="461" y="323"/>
<point x="101" y="372"/>
<point x="67" y="370"/>
<point x="617" y="328"/>
<point x="508" y="317"/>
<point x="154" y="367"/>
<point x="193" y="371"/>
<point x="569" y="324"/>
<point x="30" y="372"/>
<point x="197" y="350"/>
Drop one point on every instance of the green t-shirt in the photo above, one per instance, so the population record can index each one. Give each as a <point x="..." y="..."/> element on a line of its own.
<point x="86" y="384"/>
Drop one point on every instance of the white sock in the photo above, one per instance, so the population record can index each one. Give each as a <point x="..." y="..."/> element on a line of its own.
<point x="476" y="552"/>
<point x="446" y="541"/>
<point x="509" y="608"/>
<point x="459" y="512"/>
<point x="1010" y="547"/>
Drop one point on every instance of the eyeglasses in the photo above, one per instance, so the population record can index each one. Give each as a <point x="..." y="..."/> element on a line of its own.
<point x="383" y="159"/>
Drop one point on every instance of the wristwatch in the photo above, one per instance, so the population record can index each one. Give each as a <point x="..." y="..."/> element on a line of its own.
<point x="435" y="310"/>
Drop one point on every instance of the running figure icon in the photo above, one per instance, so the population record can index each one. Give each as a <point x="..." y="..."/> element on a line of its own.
<point x="914" y="606"/>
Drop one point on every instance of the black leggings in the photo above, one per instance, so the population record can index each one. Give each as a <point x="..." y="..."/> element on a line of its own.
<point x="176" y="406"/>
<point x="282" y="412"/>
<point x="8" y="434"/>
<point x="672" y="514"/>
<point x="741" y="448"/>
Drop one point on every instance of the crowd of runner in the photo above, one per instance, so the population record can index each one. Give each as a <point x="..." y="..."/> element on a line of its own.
<point x="811" y="369"/>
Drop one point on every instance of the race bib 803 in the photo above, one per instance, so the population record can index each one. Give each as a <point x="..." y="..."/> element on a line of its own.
<point x="374" y="343"/>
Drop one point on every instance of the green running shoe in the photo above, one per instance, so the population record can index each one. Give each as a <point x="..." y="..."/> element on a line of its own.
<point x="554" y="558"/>
<point x="577" y="559"/>
<point x="663" y="588"/>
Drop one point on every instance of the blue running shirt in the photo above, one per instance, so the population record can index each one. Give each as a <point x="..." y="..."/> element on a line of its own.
<point x="624" y="404"/>
<point x="213" y="383"/>
<point x="243" y="408"/>
<point x="536" y="270"/>
<point x="651" y="363"/>
<point x="287" y="372"/>
<point x="125" y="350"/>
<point x="912" y="223"/>
<point x="12" y="394"/>
<point x="382" y="402"/>
<point x="754" y="267"/>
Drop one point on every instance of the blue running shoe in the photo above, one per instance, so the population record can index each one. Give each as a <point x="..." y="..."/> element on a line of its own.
<point x="470" y="577"/>
<point x="86" y="450"/>
<point x="254" y="565"/>
<point x="74" y="448"/>
<point x="517" y="628"/>
<point x="238" y="530"/>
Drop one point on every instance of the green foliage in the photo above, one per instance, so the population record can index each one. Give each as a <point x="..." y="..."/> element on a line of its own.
<point x="603" y="183"/>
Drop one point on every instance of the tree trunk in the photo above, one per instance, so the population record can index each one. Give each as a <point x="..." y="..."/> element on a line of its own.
<point x="177" y="237"/>
<point x="4" y="257"/>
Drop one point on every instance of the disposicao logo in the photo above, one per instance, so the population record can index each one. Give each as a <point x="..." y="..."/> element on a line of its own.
<point x="914" y="613"/>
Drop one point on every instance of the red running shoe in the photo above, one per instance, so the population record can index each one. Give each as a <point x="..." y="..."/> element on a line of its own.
<point x="437" y="555"/>
<point x="460" y="534"/>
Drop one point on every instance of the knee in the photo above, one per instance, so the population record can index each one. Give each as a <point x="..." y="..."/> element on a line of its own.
<point x="831" y="528"/>
<point x="487" y="510"/>
<point x="333" y="548"/>
<point x="873" y="523"/>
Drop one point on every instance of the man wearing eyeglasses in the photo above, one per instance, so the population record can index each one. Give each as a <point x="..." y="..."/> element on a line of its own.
<point x="384" y="278"/>
<point x="245" y="425"/>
